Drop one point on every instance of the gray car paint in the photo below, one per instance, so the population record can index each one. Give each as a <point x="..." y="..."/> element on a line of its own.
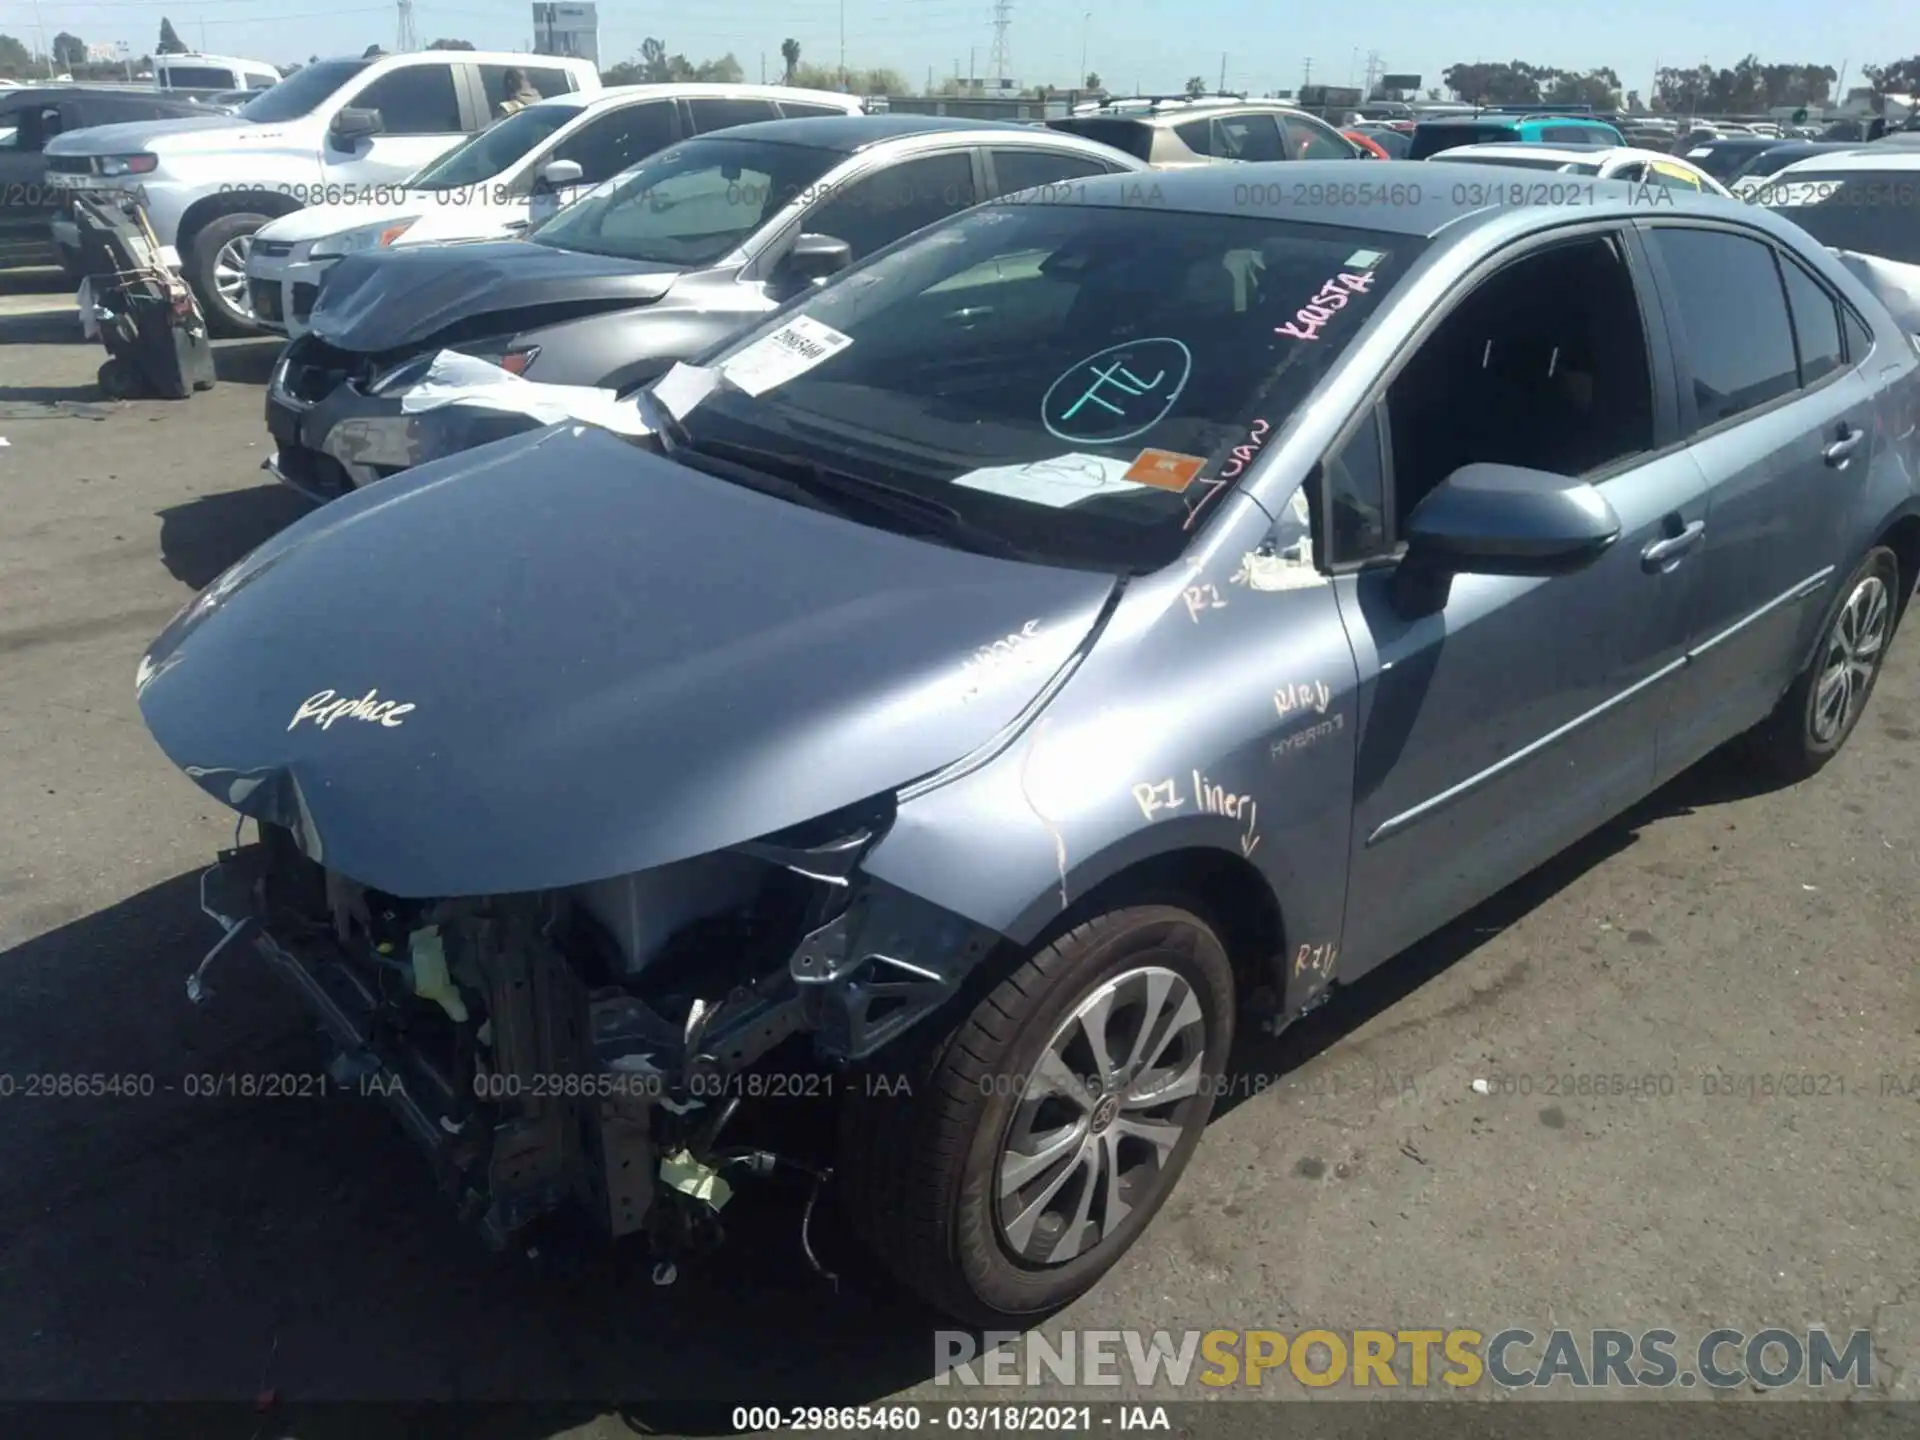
<point x="653" y="663"/>
<point x="1366" y="775"/>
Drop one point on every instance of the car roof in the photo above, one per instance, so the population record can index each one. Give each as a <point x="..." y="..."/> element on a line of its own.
<point x="1874" y="157"/>
<point x="849" y="133"/>
<point x="1223" y="190"/>
<point x="708" y="90"/>
<point x="1568" y="154"/>
<point x="1179" y="112"/>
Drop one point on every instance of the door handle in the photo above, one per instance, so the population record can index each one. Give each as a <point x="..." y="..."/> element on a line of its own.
<point x="1662" y="555"/>
<point x="1838" y="452"/>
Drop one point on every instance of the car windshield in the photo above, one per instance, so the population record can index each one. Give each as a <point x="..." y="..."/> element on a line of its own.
<point x="1077" y="381"/>
<point x="689" y="205"/>
<point x="494" y="148"/>
<point x="302" y="92"/>
<point x="1876" y="212"/>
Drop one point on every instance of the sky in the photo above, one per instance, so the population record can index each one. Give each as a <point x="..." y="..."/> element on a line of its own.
<point x="1150" y="46"/>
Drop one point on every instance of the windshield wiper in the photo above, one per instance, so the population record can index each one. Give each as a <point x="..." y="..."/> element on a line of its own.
<point x="929" y="517"/>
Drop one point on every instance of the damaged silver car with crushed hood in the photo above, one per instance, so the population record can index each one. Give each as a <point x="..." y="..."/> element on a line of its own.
<point x="1090" y="624"/>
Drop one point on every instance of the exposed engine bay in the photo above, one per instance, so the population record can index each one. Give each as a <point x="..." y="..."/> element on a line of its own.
<point x="587" y="1049"/>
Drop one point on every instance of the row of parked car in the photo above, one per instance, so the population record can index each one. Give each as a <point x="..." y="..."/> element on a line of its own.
<point x="999" y="610"/>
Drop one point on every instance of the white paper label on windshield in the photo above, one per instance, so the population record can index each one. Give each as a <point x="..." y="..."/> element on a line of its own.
<point x="1696" y="154"/>
<point x="795" y="348"/>
<point x="1057" y="483"/>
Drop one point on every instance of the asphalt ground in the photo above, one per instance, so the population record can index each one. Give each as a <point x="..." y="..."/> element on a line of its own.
<point x="1743" y="960"/>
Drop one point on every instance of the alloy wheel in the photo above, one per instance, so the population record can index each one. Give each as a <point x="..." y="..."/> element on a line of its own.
<point x="230" y="274"/>
<point x="1119" y="1084"/>
<point x="1853" y="652"/>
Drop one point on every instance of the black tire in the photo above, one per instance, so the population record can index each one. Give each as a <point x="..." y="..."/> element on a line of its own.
<point x="919" y="1168"/>
<point x="1799" y="738"/>
<point x="116" y="379"/>
<point x="222" y="318"/>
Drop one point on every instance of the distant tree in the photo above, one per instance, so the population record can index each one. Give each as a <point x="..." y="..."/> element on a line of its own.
<point x="790" y="56"/>
<point x="69" y="50"/>
<point x="1433" y="92"/>
<point x="1093" y="81"/>
<point x="1633" y="100"/>
<point x="170" y="41"/>
<point x="724" y="71"/>
<point x="1597" y="88"/>
<point x="15" y="58"/>
<point x="1196" y="85"/>
<point x="1901" y="77"/>
<point x="451" y="45"/>
<point x="372" y="52"/>
<point x="1511" y="82"/>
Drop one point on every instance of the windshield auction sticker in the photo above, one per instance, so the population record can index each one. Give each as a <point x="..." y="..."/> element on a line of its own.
<point x="795" y="348"/>
<point x="1057" y="483"/>
<point x="1166" y="469"/>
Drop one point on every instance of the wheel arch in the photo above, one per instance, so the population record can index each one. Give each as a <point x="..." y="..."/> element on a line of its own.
<point x="1234" y="896"/>
<point x="209" y="208"/>
<point x="1902" y="536"/>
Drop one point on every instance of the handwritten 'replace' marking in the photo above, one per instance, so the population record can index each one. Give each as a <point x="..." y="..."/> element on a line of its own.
<point x="1154" y="796"/>
<point x="1317" y="958"/>
<point x="1202" y="597"/>
<point x="323" y="709"/>
<point x="1008" y="652"/>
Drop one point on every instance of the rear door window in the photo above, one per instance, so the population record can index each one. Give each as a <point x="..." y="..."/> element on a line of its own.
<point x="1816" y="323"/>
<point x="414" y="100"/>
<point x="1738" y="337"/>
<point x="548" y="80"/>
<point x="807" y="110"/>
<point x="719" y="114"/>
<point x="1015" y="170"/>
<point x="1308" y="141"/>
<point x="198" y="77"/>
<point x="1233" y="137"/>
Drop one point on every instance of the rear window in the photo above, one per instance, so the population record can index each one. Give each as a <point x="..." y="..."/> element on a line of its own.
<point x="198" y="77"/>
<point x="1876" y="212"/>
<point x="1127" y="136"/>
<point x="1580" y="135"/>
<point x="1432" y="139"/>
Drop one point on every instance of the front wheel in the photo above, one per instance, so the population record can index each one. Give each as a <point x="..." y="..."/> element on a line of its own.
<point x="1825" y="701"/>
<point x="217" y="270"/>
<point x="1040" y="1138"/>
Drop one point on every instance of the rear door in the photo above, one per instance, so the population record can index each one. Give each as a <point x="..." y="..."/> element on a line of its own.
<point x="27" y="122"/>
<point x="1781" y="425"/>
<point x="1011" y="169"/>
<point x="1250" y="136"/>
<point x="709" y="113"/>
<point x="1308" y="139"/>
<point x="421" y="118"/>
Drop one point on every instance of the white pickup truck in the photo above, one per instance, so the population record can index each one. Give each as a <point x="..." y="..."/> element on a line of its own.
<point x="331" y="133"/>
<point x="507" y="178"/>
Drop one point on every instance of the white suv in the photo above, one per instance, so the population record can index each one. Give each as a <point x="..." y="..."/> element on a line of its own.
<point x="333" y="130"/>
<point x="505" y="178"/>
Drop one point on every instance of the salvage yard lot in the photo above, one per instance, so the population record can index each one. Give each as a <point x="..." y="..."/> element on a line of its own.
<point x="163" y="1245"/>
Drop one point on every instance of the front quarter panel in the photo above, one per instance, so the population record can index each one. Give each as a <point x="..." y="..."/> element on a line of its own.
<point x="1208" y="717"/>
<point x="627" y="347"/>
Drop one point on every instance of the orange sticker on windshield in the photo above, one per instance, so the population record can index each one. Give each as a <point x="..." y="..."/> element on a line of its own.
<point x="1165" y="469"/>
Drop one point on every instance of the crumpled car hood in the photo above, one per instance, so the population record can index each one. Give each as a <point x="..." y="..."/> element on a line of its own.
<point x="385" y="299"/>
<point x="561" y="657"/>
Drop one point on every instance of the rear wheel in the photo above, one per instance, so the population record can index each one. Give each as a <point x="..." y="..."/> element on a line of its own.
<point x="217" y="270"/>
<point x="1825" y="701"/>
<point x="1040" y="1138"/>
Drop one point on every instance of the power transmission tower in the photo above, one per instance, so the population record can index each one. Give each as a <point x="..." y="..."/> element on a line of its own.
<point x="1306" y="73"/>
<point x="409" y="40"/>
<point x="1000" y="61"/>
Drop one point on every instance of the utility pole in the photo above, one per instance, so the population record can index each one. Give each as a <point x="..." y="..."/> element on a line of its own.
<point x="1223" y="72"/>
<point x="763" y="67"/>
<point x="203" y="36"/>
<point x="843" y="44"/>
<point x="1085" y="21"/>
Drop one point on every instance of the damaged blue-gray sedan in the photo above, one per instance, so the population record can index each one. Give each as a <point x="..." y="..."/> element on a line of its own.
<point x="1106" y="618"/>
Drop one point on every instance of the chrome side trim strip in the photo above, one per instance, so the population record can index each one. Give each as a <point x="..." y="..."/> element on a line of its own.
<point x="1800" y="591"/>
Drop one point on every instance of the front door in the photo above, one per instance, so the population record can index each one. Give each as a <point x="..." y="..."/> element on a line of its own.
<point x="1521" y="713"/>
<point x="1783" y="432"/>
<point x="420" y="120"/>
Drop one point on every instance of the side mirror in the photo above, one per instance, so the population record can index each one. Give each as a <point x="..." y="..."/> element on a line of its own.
<point x="1506" y="520"/>
<point x="559" y="174"/>
<point x="815" y="257"/>
<point x="355" y="123"/>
